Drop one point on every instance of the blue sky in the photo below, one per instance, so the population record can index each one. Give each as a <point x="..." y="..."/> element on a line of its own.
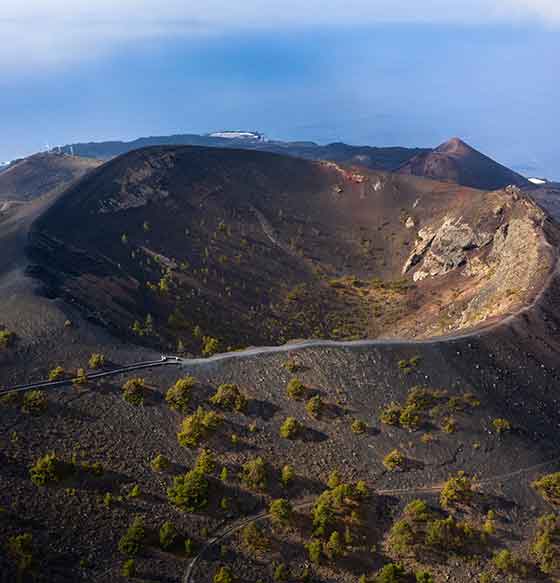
<point x="487" y="73"/>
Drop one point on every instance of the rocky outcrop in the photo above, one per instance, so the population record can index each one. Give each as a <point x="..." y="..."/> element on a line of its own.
<point x="445" y="248"/>
<point x="141" y="185"/>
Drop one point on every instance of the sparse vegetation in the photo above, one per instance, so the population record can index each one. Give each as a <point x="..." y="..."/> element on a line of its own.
<point x="210" y="345"/>
<point x="288" y="475"/>
<point x="281" y="511"/>
<point x="190" y="491"/>
<point x="132" y="541"/>
<point x="50" y="469"/>
<point x="167" y="535"/>
<point x="358" y="427"/>
<point x="229" y="397"/>
<point x="290" y="428"/>
<point x="546" y="546"/>
<point x="458" y="490"/>
<point x="391" y="414"/>
<point x="56" y="373"/>
<point x="179" y="395"/>
<point x="35" y="402"/>
<point x="134" y="391"/>
<point x="394" y="460"/>
<point x="254" y="474"/>
<point x="501" y="425"/>
<point x="160" y="463"/>
<point x="197" y="427"/>
<point x="254" y="539"/>
<point x="314" y="406"/>
<point x="21" y="550"/>
<point x="296" y="389"/>
<point x="549" y="487"/>
<point x="96" y="360"/>
<point x="7" y="338"/>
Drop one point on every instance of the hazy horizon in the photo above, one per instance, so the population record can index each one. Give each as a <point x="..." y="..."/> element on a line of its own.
<point x="387" y="75"/>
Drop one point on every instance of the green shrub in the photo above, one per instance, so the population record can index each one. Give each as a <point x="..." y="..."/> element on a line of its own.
<point x="56" y="374"/>
<point x="7" y="338"/>
<point x="501" y="425"/>
<point x="506" y="562"/>
<point x="254" y="474"/>
<point x="549" y="487"/>
<point x="334" y="479"/>
<point x="132" y="541"/>
<point x="197" y="427"/>
<point x="392" y="573"/>
<point x="287" y="476"/>
<point x="20" y="549"/>
<point x="410" y="418"/>
<point x="290" y="428"/>
<point x="421" y="398"/>
<point x="361" y="489"/>
<point x="281" y="511"/>
<point x="424" y="577"/>
<point x="223" y="575"/>
<point x="358" y="427"/>
<point x="129" y="568"/>
<point x="179" y="395"/>
<point x="254" y="539"/>
<point x="391" y="414"/>
<point x="167" y="535"/>
<point x="134" y="391"/>
<point x="35" y="402"/>
<point x="160" y="463"/>
<point x="81" y="377"/>
<point x="291" y="365"/>
<point x="334" y="547"/>
<point x="314" y="406"/>
<point x="135" y="491"/>
<point x="446" y="534"/>
<point x="96" y="360"/>
<point x="49" y="469"/>
<point x="228" y="396"/>
<point x="449" y="424"/>
<point x="323" y="513"/>
<point x="281" y="572"/>
<point x="546" y="546"/>
<point x="315" y="550"/>
<point x="457" y="490"/>
<point x="210" y="345"/>
<point x="189" y="492"/>
<point x="296" y="389"/>
<point x="189" y="547"/>
<point x="394" y="460"/>
<point x="205" y="462"/>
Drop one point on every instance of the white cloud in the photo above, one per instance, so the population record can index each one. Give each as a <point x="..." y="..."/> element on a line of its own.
<point x="57" y="32"/>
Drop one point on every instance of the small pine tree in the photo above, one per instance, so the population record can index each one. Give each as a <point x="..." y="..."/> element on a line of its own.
<point x="288" y="475"/>
<point x="333" y="480"/>
<point x="167" y="535"/>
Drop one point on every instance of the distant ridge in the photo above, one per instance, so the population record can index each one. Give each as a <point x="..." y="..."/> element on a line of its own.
<point x="456" y="161"/>
<point x="375" y="158"/>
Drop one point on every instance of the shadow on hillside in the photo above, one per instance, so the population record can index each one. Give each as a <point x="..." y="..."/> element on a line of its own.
<point x="263" y="409"/>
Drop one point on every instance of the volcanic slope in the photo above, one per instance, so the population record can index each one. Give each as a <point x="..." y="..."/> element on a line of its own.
<point x="202" y="248"/>
<point x="458" y="162"/>
<point x="40" y="174"/>
<point x="485" y="402"/>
